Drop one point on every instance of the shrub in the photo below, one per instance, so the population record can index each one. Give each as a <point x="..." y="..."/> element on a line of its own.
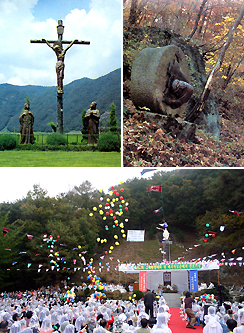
<point x="139" y="294"/>
<point x="109" y="142"/>
<point x="7" y="142"/>
<point x="56" y="139"/>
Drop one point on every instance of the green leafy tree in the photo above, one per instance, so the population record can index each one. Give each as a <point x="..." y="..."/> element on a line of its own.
<point x="112" y="119"/>
<point x="27" y="100"/>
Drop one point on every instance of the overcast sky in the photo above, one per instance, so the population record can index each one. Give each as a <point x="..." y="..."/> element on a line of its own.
<point x="16" y="182"/>
<point x="23" y="63"/>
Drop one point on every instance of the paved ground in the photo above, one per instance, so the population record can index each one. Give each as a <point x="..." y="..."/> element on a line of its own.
<point x="172" y="299"/>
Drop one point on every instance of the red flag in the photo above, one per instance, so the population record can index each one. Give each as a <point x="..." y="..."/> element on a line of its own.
<point x="155" y="188"/>
<point x="5" y="231"/>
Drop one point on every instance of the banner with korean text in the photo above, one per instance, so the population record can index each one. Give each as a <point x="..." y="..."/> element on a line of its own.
<point x="193" y="280"/>
<point x="143" y="281"/>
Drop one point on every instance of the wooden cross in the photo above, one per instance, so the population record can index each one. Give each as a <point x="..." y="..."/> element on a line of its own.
<point x="57" y="47"/>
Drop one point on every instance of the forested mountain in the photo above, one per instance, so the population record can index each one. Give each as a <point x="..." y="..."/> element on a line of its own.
<point x="78" y="95"/>
<point x="85" y="223"/>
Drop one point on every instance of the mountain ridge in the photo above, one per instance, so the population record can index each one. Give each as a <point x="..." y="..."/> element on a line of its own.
<point x="78" y="95"/>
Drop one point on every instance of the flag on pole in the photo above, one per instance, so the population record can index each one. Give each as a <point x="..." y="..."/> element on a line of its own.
<point x="158" y="210"/>
<point x="155" y="188"/>
<point x="146" y="170"/>
<point x="5" y="231"/>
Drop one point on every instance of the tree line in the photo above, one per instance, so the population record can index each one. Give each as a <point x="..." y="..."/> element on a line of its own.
<point x="72" y="222"/>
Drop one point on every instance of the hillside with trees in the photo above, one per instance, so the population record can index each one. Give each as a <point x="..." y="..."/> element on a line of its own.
<point x="213" y="31"/>
<point x="48" y="239"/>
<point x="78" y="95"/>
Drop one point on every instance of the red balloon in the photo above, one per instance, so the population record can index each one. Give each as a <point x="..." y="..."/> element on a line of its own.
<point x="107" y="204"/>
<point x="58" y="236"/>
<point x="114" y="217"/>
<point x="121" y="198"/>
<point x="126" y="208"/>
<point x="106" y="252"/>
<point x="112" y="187"/>
<point x="117" y="193"/>
<point x="107" y="213"/>
<point x="122" y="190"/>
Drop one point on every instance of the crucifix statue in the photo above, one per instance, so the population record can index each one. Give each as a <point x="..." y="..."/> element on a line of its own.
<point x="57" y="47"/>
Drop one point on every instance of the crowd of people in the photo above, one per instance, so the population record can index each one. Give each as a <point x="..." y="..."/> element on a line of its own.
<point x="46" y="311"/>
<point x="213" y="317"/>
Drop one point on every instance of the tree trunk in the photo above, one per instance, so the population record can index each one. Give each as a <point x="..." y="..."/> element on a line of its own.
<point x="133" y="12"/>
<point x="200" y="105"/>
<point x="197" y="20"/>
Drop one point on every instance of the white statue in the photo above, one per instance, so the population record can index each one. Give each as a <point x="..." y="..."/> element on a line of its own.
<point x="165" y="234"/>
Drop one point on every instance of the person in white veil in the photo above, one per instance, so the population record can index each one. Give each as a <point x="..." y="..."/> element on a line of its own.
<point x="211" y="314"/>
<point x="16" y="327"/>
<point x="212" y="323"/>
<point x="162" y="324"/>
<point x="161" y="309"/>
<point x="46" y="326"/>
<point x="80" y="321"/>
<point x="70" y="328"/>
<point x="240" y="322"/>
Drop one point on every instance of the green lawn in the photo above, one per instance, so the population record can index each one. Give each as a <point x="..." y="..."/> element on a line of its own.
<point x="59" y="159"/>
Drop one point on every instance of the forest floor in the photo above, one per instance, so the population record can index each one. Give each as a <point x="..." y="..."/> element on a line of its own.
<point x="158" y="149"/>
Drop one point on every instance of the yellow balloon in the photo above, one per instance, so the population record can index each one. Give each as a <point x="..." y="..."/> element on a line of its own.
<point x="108" y="199"/>
<point x="123" y="201"/>
<point x="104" y="218"/>
<point x="79" y="254"/>
<point x="117" y="199"/>
<point x="122" y="231"/>
<point x="124" y="235"/>
<point x="89" y="272"/>
<point x="115" y="236"/>
<point x="129" y="298"/>
<point x="116" y="243"/>
<point x="91" y="261"/>
<point x="91" y="214"/>
<point x="101" y="191"/>
<point x="94" y="208"/>
<point x="79" y="247"/>
<point x="121" y="182"/>
<point x="110" y="192"/>
<point x="101" y="241"/>
<point x="113" y="200"/>
<point x="98" y="239"/>
<point x="105" y="240"/>
<point x="121" y="225"/>
<point x="101" y="212"/>
<point x="111" y="214"/>
<point x="111" y="247"/>
<point x="109" y="251"/>
<point x="134" y="295"/>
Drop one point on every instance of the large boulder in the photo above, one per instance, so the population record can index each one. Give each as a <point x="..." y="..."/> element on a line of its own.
<point x="209" y="118"/>
<point x="149" y="76"/>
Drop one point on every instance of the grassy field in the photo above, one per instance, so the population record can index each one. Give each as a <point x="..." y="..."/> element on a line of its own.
<point x="59" y="159"/>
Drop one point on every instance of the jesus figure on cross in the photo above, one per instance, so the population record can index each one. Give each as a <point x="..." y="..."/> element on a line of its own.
<point x="60" y="53"/>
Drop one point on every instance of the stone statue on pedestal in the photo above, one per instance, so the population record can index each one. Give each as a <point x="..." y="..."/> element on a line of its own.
<point x="26" y="120"/>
